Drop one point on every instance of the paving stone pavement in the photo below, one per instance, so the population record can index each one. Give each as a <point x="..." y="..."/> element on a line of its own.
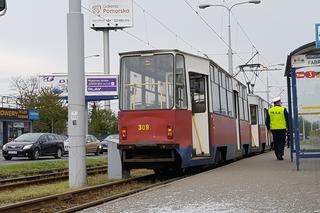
<point x="257" y="184"/>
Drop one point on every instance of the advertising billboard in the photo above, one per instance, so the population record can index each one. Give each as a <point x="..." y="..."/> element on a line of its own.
<point x="97" y="87"/>
<point x="111" y="14"/>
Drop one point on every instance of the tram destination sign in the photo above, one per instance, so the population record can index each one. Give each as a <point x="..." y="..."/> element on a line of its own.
<point x="299" y="61"/>
<point x="111" y="14"/>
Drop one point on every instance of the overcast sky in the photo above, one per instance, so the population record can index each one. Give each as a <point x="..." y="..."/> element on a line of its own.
<point x="33" y="35"/>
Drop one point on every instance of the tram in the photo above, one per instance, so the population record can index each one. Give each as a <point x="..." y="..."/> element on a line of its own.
<point x="179" y="110"/>
<point x="261" y="138"/>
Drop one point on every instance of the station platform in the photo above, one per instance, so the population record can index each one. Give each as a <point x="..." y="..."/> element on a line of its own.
<point x="256" y="184"/>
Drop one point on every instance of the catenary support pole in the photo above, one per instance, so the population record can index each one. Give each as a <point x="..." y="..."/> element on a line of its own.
<point x="106" y="55"/>
<point x="230" y="62"/>
<point x="76" y="99"/>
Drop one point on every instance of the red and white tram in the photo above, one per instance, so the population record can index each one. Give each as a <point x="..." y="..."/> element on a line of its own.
<point x="178" y="110"/>
<point x="261" y="139"/>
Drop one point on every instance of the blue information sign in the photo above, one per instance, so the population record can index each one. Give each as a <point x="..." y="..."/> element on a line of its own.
<point x="317" y="35"/>
<point x="33" y="114"/>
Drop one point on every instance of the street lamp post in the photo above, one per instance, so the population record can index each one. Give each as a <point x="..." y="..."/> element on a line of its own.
<point x="203" y="6"/>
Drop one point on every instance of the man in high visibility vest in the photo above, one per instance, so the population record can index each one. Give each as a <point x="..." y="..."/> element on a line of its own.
<point x="277" y="122"/>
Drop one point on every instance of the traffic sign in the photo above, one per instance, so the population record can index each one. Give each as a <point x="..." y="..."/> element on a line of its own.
<point x="317" y="35"/>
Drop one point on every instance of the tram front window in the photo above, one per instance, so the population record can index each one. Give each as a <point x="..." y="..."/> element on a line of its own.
<point x="147" y="82"/>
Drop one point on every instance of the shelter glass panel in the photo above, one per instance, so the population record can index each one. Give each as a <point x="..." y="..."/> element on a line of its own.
<point x="308" y="87"/>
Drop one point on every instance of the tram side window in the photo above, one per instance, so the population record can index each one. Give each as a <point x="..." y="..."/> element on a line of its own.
<point x="229" y="97"/>
<point x="265" y="111"/>
<point x="216" y="98"/>
<point x="241" y="108"/>
<point x="198" y="95"/>
<point x="261" y="120"/>
<point x="253" y="113"/>
<point x="211" y="83"/>
<point x="215" y="90"/>
<point x="245" y="108"/>
<point x="181" y="90"/>
<point x="223" y="94"/>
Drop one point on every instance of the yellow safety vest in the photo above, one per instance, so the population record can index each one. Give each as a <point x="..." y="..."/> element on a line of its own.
<point x="277" y="118"/>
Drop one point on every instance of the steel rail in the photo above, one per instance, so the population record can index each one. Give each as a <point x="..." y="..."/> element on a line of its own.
<point x="110" y="198"/>
<point x="58" y="202"/>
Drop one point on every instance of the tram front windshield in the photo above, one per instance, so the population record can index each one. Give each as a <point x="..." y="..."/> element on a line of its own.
<point x="147" y="82"/>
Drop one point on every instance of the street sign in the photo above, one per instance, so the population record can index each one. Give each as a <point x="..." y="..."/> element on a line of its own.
<point x="305" y="60"/>
<point x="317" y="35"/>
<point x="33" y="114"/>
<point x="112" y="14"/>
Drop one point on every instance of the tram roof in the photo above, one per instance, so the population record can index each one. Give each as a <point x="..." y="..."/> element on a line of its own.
<point x="304" y="49"/>
<point x="140" y="52"/>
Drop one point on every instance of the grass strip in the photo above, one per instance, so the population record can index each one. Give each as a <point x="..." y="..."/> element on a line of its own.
<point x="13" y="169"/>
<point x="36" y="191"/>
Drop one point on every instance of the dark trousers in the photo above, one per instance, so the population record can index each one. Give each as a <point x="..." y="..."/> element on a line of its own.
<point x="279" y="140"/>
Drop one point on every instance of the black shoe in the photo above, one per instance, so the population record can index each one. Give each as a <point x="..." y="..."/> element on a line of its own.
<point x="279" y="157"/>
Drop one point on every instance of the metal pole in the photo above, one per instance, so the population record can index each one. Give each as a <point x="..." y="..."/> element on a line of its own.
<point x="303" y="129"/>
<point x="76" y="106"/>
<point x="295" y="115"/>
<point x="86" y="115"/>
<point x="106" y="53"/>
<point x="230" y="63"/>
<point x="290" y="116"/>
<point x="268" y="92"/>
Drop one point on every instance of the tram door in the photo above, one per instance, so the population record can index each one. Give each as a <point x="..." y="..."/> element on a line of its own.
<point x="200" y="119"/>
<point x="237" y="117"/>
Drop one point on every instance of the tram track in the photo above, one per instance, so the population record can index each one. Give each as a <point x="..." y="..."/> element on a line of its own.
<point x="11" y="183"/>
<point x="89" y="196"/>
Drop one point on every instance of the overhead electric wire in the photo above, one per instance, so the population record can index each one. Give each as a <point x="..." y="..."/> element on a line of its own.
<point x="169" y="30"/>
<point x="212" y="29"/>
<point x="204" y="21"/>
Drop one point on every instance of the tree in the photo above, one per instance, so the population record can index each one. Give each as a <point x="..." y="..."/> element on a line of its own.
<point x="102" y="122"/>
<point x="27" y="89"/>
<point x="53" y="111"/>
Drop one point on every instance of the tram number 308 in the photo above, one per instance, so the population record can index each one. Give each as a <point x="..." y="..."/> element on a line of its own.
<point x="143" y="127"/>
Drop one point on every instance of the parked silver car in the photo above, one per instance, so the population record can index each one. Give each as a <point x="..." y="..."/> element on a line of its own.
<point x="111" y="138"/>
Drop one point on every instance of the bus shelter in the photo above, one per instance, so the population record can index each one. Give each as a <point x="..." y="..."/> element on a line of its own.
<point x="303" y="84"/>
